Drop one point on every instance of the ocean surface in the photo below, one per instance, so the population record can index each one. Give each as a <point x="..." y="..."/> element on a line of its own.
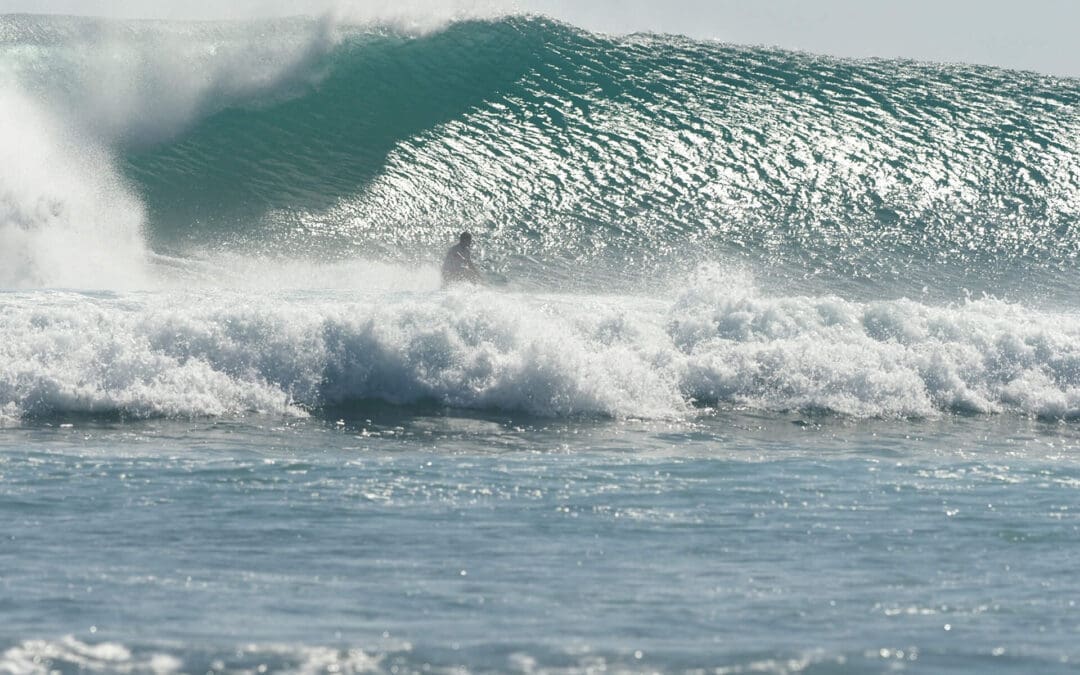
<point x="777" y="369"/>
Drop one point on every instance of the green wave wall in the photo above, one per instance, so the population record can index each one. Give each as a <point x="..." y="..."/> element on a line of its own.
<point x="559" y="144"/>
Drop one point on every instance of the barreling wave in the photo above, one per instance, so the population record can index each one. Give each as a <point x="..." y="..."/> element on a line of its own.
<point x="565" y="149"/>
<point x="562" y="145"/>
<point x="299" y="163"/>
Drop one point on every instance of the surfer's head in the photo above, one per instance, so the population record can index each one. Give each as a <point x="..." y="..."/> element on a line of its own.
<point x="465" y="239"/>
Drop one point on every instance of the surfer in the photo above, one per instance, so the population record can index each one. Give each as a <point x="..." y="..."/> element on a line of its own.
<point x="458" y="265"/>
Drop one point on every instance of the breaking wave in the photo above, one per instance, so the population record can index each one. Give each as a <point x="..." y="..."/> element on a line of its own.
<point x="264" y="202"/>
<point x="716" y="343"/>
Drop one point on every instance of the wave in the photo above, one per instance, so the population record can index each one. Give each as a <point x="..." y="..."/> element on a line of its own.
<point x="560" y="145"/>
<point x="567" y="150"/>
<point x="717" y="343"/>
<point x="264" y="201"/>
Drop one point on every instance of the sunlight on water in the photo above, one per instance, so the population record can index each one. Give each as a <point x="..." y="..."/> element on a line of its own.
<point x="775" y="366"/>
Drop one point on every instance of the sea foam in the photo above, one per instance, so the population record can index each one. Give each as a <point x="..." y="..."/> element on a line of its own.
<point x="66" y="216"/>
<point x="74" y="91"/>
<point x="212" y="353"/>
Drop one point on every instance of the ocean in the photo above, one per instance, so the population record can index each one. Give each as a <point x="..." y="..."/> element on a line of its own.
<point x="776" y="369"/>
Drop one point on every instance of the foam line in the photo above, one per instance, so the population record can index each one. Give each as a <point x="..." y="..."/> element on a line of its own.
<point x="289" y="353"/>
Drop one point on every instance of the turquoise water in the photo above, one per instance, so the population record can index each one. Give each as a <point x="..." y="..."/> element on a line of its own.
<point x="409" y="541"/>
<point x="778" y="370"/>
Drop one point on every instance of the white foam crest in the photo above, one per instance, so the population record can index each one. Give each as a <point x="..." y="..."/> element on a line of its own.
<point x="41" y="657"/>
<point x="72" y="354"/>
<point x="327" y="660"/>
<point x="66" y="219"/>
<point x="894" y="358"/>
<point x="285" y="352"/>
<point x="227" y="354"/>
<point x="547" y="356"/>
<point x="145" y="83"/>
<point x="38" y="657"/>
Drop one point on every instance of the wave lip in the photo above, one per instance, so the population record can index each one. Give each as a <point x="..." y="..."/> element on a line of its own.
<point x="715" y="345"/>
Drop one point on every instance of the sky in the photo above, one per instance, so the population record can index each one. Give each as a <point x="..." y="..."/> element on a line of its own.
<point x="1035" y="35"/>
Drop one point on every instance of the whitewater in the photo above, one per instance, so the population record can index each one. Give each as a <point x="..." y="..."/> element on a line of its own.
<point x="777" y="369"/>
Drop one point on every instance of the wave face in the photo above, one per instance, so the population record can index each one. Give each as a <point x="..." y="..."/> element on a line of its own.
<point x="568" y="150"/>
<point x="576" y="149"/>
